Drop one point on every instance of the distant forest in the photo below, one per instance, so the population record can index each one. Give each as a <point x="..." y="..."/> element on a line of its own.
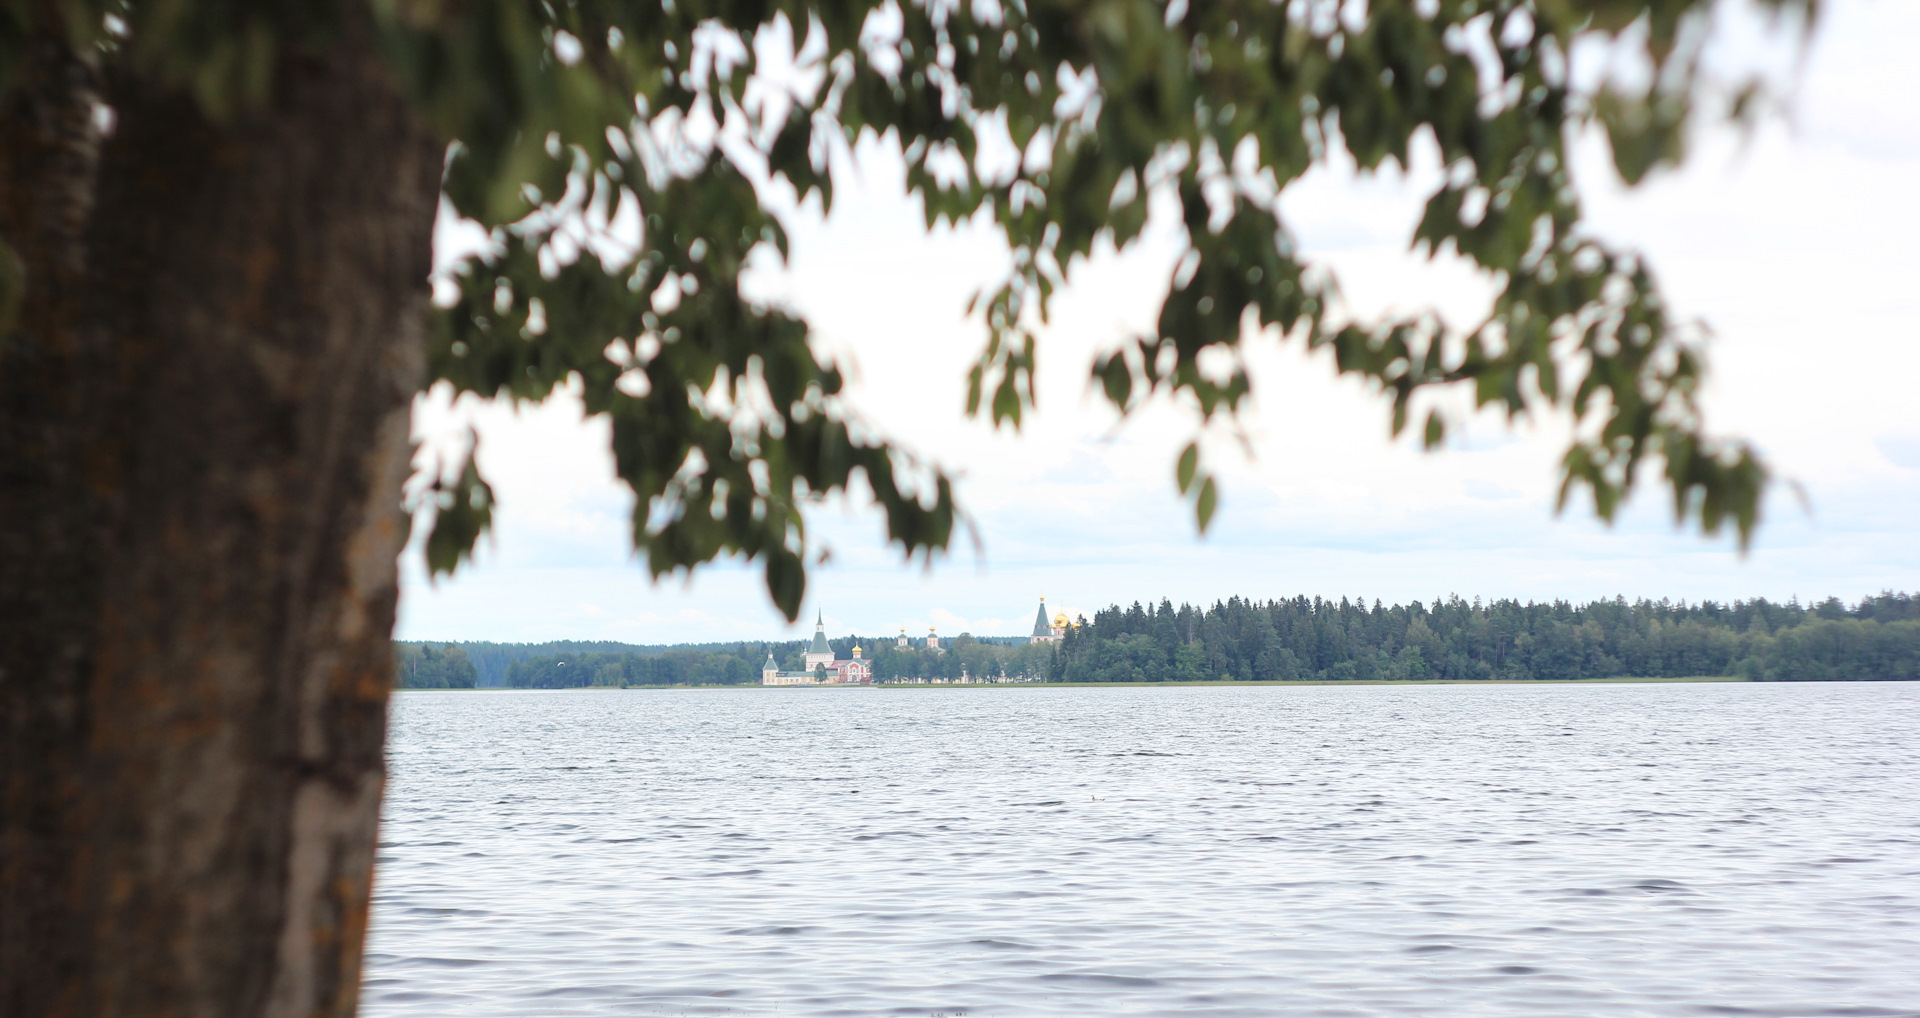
<point x="490" y="662"/>
<point x="1878" y="638"/>
<point x="1301" y="638"/>
<point x="426" y="666"/>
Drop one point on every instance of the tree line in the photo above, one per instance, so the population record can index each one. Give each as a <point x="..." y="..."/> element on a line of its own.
<point x="965" y="656"/>
<point x="566" y="664"/>
<point x="1297" y="639"/>
<point x="737" y="665"/>
<point x="741" y="664"/>
<point x="425" y="666"/>
<point x="491" y="660"/>
<point x="1322" y="639"/>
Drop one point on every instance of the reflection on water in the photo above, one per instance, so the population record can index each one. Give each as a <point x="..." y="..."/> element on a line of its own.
<point x="1381" y="850"/>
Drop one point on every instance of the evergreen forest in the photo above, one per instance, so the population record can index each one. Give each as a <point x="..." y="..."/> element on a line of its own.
<point x="1320" y="639"/>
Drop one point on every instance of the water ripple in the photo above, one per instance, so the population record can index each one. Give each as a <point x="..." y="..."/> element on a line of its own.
<point x="1507" y="851"/>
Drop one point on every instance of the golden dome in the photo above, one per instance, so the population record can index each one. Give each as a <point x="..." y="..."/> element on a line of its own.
<point x="1060" y="620"/>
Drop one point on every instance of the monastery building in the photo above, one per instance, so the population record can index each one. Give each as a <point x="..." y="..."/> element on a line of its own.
<point x="821" y="666"/>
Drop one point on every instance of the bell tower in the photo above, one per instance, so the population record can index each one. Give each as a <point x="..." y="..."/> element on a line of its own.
<point x="819" y="655"/>
<point x="1047" y="630"/>
<point x="1041" y="632"/>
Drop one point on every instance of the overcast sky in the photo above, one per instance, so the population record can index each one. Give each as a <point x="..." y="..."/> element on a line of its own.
<point x="1798" y="245"/>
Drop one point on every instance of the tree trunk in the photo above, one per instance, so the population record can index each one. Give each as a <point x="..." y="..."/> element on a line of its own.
<point x="203" y="434"/>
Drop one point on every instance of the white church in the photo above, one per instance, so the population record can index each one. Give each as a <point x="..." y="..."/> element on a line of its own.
<point x="822" y="669"/>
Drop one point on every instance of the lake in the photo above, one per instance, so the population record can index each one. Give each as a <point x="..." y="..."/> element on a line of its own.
<point x="1500" y="850"/>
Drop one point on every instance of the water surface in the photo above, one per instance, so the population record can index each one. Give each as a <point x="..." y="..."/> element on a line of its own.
<point x="1698" y="849"/>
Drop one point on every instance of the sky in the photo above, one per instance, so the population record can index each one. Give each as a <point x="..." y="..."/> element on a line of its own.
<point x="1797" y="243"/>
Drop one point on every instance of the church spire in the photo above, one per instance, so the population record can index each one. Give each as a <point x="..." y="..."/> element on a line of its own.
<point x="820" y="637"/>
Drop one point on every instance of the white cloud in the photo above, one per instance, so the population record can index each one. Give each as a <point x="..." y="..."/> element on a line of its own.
<point x="1900" y="450"/>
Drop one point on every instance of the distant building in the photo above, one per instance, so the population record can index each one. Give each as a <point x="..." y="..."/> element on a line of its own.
<point x="1047" y="630"/>
<point x="933" y="639"/>
<point x="819" y="655"/>
<point x="855" y="670"/>
<point x="821" y="666"/>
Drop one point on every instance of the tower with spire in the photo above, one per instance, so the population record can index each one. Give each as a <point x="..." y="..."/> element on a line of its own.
<point x="820" y="665"/>
<point x="1047" y="630"/>
<point x="819" y="655"/>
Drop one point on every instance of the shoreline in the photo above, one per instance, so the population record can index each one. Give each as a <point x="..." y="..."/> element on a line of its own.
<point x="1618" y="680"/>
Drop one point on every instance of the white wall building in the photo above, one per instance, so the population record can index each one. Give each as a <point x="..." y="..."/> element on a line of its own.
<point x="821" y="666"/>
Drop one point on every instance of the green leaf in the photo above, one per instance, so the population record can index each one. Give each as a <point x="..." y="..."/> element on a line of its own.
<point x="462" y="511"/>
<point x="1225" y="81"/>
<point x="1116" y="380"/>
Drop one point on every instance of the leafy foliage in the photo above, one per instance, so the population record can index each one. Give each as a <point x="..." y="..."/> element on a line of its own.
<point x="462" y="510"/>
<point x="626" y="158"/>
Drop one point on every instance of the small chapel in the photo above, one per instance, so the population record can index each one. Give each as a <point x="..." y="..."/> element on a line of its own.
<point x="822" y="668"/>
